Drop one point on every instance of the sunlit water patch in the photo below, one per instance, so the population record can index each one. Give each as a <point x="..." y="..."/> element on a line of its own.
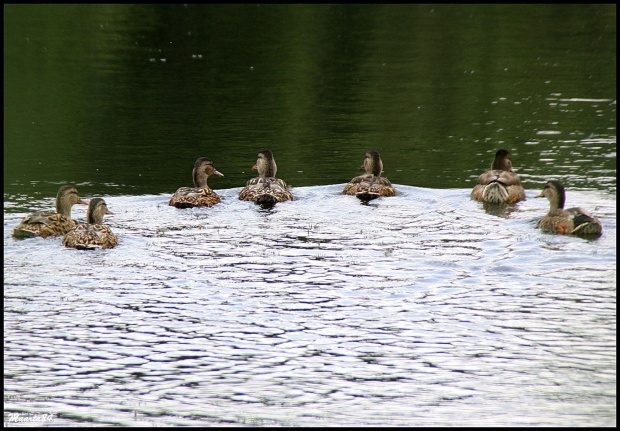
<point x="421" y="309"/>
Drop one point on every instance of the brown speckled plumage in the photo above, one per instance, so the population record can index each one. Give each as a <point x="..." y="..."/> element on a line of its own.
<point x="94" y="234"/>
<point x="201" y="195"/>
<point x="500" y="184"/>
<point x="571" y="221"/>
<point x="266" y="189"/>
<point x="372" y="184"/>
<point x="51" y="224"/>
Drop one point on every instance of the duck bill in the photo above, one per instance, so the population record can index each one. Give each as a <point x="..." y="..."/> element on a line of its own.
<point x="362" y="168"/>
<point x="80" y="201"/>
<point x="218" y="174"/>
<point x="109" y="212"/>
<point x="254" y="167"/>
<point x="540" y="195"/>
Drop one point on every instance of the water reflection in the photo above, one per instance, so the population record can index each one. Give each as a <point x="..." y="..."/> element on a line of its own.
<point x="132" y="94"/>
<point x="500" y="210"/>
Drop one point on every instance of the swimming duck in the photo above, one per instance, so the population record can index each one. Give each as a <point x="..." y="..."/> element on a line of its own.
<point x="94" y="234"/>
<point x="51" y="224"/>
<point x="500" y="184"/>
<point x="372" y="184"/>
<point x="266" y="189"/>
<point x="572" y="221"/>
<point x="200" y="195"/>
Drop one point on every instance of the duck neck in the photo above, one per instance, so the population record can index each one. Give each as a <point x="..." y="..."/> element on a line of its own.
<point x="95" y="217"/>
<point x="267" y="169"/>
<point x="63" y="206"/>
<point x="200" y="178"/>
<point x="374" y="168"/>
<point x="556" y="202"/>
<point x="502" y="164"/>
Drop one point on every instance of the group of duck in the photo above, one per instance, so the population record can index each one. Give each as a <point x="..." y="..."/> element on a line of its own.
<point x="500" y="185"/>
<point x="267" y="189"/>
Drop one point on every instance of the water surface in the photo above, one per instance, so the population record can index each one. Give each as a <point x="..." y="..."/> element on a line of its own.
<point x="423" y="309"/>
<point x="420" y="309"/>
<point x="124" y="98"/>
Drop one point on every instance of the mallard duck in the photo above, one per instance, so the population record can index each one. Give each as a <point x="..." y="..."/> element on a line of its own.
<point x="500" y="184"/>
<point x="200" y="195"/>
<point x="266" y="189"/>
<point x="51" y="224"/>
<point x="572" y="221"/>
<point x="91" y="235"/>
<point x="372" y="184"/>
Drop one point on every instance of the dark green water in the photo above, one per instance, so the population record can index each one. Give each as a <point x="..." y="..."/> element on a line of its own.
<point x="122" y="99"/>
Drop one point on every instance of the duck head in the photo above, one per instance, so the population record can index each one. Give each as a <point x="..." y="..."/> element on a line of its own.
<point x="67" y="197"/>
<point x="372" y="164"/>
<point x="96" y="210"/>
<point x="555" y="192"/>
<point x="203" y="169"/>
<point x="502" y="161"/>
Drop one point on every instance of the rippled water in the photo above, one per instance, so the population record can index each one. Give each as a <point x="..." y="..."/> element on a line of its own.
<point x="421" y="309"/>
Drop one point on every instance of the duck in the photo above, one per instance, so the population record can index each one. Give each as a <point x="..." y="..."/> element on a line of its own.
<point x="571" y="221"/>
<point x="93" y="234"/>
<point x="500" y="184"/>
<point x="266" y="189"/>
<point x="370" y="185"/>
<point x="200" y="195"/>
<point x="50" y="223"/>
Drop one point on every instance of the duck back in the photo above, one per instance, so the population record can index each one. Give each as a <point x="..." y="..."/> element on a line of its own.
<point x="189" y="197"/>
<point x="268" y="192"/>
<point x="90" y="237"/>
<point x="44" y="225"/>
<point x="368" y="187"/>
